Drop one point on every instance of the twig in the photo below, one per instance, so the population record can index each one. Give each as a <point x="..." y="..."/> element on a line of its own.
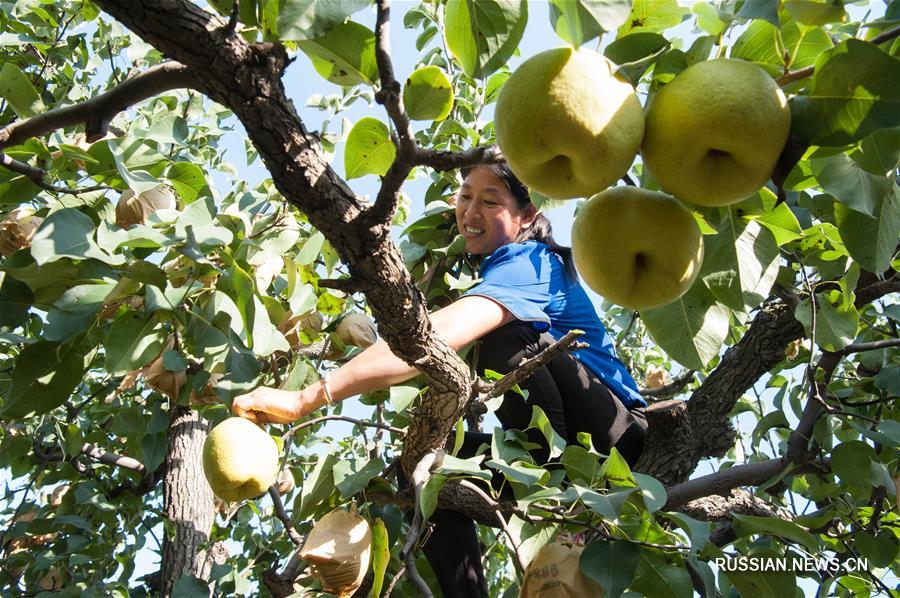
<point x="672" y="388"/>
<point x="345" y="285"/>
<point x="391" y="98"/>
<point x="359" y="422"/>
<point x="808" y="71"/>
<point x="292" y="533"/>
<point x="233" y="19"/>
<point x="98" y="111"/>
<point x="519" y="561"/>
<point x="870" y="346"/>
<point x="419" y="478"/>
<point x="529" y="366"/>
<point x="103" y="456"/>
<point x="395" y="579"/>
<point x="36" y="175"/>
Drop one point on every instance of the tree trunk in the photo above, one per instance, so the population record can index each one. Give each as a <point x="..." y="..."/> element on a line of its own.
<point x="188" y="501"/>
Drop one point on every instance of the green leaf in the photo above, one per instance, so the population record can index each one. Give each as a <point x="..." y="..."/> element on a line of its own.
<point x="429" y="496"/>
<point x="555" y="441"/>
<point x="652" y="490"/>
<point x="850" y="184"/>
<point x="349" y="480"/>
<point x="153" y="449"/>
<point x="402" y="396"/>
<point x="318" y="485"/>
<point x="483" y="35"/>
<point x="607" y="505"/>
<point x="16" y="299"/>
<point x="521" y="472"/>
<point x="306" y="19"/>
<point x="573" y="23"/>
<point x="369" y="149"/>
<point x="189" y="586"/>
<point x="871" y="241"/>
<point x="581" y="464"/>
<point x="748" y="525"/>
<point x="612" y="564"/>
<point x="697" y="531"/>
<point x="708" y="18"/>
<point x="635" y="53"/>
<point x="740" y="262"/>
<point x="836" y="321"/>
<point x="653" y="15"/>
<point x="854" y="92"/>
<point x="133" y="340"/>
<point x="815" y="12"/>
<point x="68" y="233"/>
<point x="692" y="328"/>
<point x="16" y="88"/>
<point x="309" y="252"/>
<point x="75" y="311"/>
<point x="187" y="179"/>
<point x="345" y="55"/>
<point x="44" y="376"/>
<point x="760" y="9"/>
<point x="851" y="462"/>
<point x="662" y="574"/>
<point x="169" y="129"/>
<point x="428" y="94"/>
<point x="763" y="583"/>
<point x="454" y="465"/>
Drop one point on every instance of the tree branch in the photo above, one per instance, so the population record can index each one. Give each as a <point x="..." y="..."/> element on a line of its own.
<point x="391" y="98"/>
<point x="282" y="515"/>
<point x="870" y="346"/>
<point x="103" y="456"/>
<point x="519" y="561"/>
<point x="97" y="112"/>
<point x="37" y="176"/>
<point x="446" y="160"/>
<point x="359" y="422"/>
<point x="672" y="388"/>
<point x="723" y="481"/>
<point x="808" y="71"/>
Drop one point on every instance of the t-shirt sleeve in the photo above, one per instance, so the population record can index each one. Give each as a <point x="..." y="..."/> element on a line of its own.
<point x="518" y="278"/>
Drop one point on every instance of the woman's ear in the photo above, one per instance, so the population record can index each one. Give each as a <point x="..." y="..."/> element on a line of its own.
<point x="529" y="213"/>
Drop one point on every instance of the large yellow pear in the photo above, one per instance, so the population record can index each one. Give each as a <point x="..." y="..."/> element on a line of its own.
<point x="567" y="126"/>
<point x="637" y="248"/>
<point x="240" y="459"/>
<point x="715" y="132"/>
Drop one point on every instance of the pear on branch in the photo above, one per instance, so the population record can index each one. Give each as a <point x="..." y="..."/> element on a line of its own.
<point x="17" y="230"/>
<point x="135" y="208"/>
<point x="338" y="550"/>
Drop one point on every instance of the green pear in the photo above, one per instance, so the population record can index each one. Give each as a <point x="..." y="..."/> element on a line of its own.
<point x="240" y="459"/>
<point x="637" y="248"/>
<point x="715" y="132"/>
<point x="566" y="124"/>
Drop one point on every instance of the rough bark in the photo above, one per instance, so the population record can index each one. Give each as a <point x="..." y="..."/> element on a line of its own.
<point x="187" y="502"/>
<point x="667" y="449"/>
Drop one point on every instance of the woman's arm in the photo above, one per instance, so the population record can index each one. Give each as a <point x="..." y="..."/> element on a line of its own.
<point x="460" y="323"/>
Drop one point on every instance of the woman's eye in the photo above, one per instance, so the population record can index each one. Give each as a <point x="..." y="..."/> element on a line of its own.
<point x="490" y="204"/>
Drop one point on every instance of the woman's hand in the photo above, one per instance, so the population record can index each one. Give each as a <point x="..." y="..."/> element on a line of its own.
<point x="266" y="405"/>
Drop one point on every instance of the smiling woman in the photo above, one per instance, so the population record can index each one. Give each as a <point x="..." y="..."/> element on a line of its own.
<point x="528" y="299"/>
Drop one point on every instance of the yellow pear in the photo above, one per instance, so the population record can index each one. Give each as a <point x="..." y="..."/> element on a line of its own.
<point x="240" y="460"/>
<point x="566" y="124"/>
<point x="715" y="132"/>
<point x="637" y="248"/>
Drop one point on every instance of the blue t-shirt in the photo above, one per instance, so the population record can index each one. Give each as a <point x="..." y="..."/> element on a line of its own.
<point x="530" y="281"/>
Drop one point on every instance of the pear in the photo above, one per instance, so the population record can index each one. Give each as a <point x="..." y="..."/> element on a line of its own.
<point x="240" y="460"/>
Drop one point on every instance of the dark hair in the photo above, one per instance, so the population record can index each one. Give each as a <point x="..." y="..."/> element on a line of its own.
<point x="540" y="230"/>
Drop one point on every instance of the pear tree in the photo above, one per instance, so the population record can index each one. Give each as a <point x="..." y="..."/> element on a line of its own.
<point x="146" y="280"/>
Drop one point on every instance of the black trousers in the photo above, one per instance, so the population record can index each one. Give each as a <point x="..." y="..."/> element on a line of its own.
<point x="573" y="399"/>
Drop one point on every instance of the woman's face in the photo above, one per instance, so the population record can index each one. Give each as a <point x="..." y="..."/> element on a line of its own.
<point x="487" y="214"/>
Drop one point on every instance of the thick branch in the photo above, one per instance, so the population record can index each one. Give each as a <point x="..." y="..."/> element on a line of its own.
<point x="723" y="481"/>
<point x="97" y="112"/>
<point x="441" y="160"/>
<point x="98" y="454"/>
<point x="282" y="515"/>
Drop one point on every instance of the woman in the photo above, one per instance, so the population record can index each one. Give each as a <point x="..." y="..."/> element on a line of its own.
<point x="528" y="298"/>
